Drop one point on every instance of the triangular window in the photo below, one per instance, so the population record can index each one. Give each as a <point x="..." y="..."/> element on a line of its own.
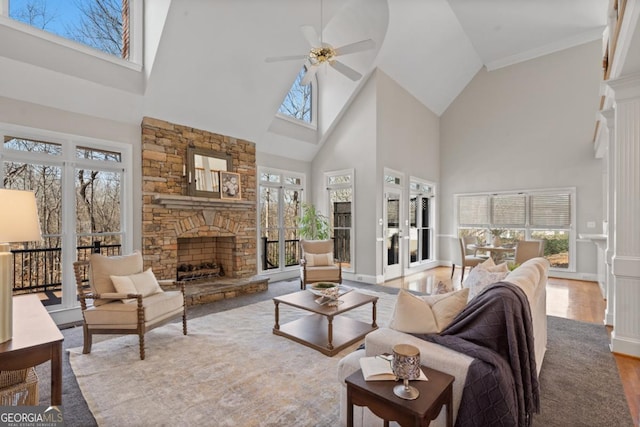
<point x="298" y="102"/>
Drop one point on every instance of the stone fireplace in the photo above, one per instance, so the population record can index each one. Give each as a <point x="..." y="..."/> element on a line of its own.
<point x="187" y="232"/>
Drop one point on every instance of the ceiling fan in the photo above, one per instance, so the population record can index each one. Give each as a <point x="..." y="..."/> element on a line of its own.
<point x="322" y="53"/>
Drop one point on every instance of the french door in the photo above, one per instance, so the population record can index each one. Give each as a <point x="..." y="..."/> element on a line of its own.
<point x="279" y="208"/>
<point x="393" y="253"/>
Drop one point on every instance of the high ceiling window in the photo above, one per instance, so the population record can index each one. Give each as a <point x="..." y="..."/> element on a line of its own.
<point x="298" y="102"/>
<point x="100" y="24"/>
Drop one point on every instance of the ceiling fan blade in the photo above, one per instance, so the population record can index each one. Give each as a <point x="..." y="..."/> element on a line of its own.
<point x="308" y="76"/>
<point x="310" y="34"/>
<point x="285" y="58"/>
<point x="346" y="70"/>
<point x="356" y="47"/>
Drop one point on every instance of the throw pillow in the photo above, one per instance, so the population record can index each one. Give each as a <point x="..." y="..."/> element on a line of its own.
<point x="143" y="283"/>
<point x="480" y="278"/>
<point x="491" y="266"/>
<point x="426" y="314"/>
<point x="104" y="266"/>
<point x="412" y="314"/>
<point x="318" y="260"/>
<point x="446" y="307"/>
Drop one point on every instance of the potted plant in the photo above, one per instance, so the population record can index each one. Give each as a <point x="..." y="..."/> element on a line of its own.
<point x="312" y="224"/>
<point x="497" y="235"/>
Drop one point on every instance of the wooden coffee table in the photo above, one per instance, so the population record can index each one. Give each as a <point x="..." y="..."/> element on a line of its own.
<point x="378" y="396"/>
<point x="324" y="329"/>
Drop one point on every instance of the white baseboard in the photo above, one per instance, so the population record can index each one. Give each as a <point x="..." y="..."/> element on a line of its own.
<point x="622" y="345"/>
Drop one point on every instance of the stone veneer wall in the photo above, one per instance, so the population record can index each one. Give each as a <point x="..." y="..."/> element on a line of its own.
<point x="168" y="213"/>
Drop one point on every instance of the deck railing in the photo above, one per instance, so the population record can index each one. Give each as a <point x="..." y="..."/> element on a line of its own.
<point x="271" y="252"/>
<point x="40" y="270"/>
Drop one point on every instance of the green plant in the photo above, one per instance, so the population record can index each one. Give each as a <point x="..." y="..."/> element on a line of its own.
<point x="497" y="232"/>
<point x="312" y="224"/>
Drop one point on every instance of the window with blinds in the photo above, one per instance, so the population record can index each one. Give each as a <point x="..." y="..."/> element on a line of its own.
<point x="473" y="211"/>
<point x="550" y="210"/>
<point x="536" y="215"/>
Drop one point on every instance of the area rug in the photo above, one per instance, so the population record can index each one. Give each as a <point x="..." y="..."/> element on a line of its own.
<point x="232" y="371"/>
<point x="579" y="382"/>
<point x="229" y="371"/>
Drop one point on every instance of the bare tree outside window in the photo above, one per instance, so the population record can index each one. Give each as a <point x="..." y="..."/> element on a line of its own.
<point x="297" y="103"/>
<point x="34" y="13"/>
<point x="101" y="24"/>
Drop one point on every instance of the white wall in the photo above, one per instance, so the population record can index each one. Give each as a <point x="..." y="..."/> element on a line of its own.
<point x="527" y="126"/>
<point x="352" y="145"/>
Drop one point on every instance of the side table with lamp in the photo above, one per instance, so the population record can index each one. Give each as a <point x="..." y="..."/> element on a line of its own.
<point x="28" y="335"/>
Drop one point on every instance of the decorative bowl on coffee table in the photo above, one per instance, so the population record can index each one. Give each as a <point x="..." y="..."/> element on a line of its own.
<point x="329" y="291"/>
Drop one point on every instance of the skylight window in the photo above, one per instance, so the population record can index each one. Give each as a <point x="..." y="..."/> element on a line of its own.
<point x="100" y="24"/>
<point x="298" y="102"/>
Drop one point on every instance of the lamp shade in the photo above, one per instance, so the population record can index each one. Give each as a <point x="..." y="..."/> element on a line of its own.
<point x="19" y="220"/>
<point x="18" y="223"/>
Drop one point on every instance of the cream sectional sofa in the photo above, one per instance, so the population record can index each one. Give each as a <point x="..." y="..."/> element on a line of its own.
<point x="531" y="277"/>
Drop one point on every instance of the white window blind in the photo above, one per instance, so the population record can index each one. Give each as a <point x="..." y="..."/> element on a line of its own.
<point x="473" y="210"/>
<point x="550" y="210"/>
<point x="509" y="210"/>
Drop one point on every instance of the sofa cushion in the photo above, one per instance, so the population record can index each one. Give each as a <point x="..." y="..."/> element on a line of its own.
<point x="325" y="273"/>
<point x="479" y="278"/>
<point x="316" y="260"/>
<point x="144" y="283"/>
<point x="156" y="307"/>
<point x="102" y="267"/>
<point x="426" y="314"/>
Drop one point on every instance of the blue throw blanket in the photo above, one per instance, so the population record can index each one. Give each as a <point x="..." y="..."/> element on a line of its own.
<point x="495" y="328"/>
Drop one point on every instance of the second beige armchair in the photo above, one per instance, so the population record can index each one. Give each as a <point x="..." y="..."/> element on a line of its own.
<point x="318" y="263"/>
<point x="459" y="257"/>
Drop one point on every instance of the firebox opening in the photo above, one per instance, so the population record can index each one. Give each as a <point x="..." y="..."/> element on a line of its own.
<point x="204" y="258"/>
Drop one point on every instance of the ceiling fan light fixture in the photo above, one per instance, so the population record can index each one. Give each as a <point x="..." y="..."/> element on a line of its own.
<point x="319" y="55"/>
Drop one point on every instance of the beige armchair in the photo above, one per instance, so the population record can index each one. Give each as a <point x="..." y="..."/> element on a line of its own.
<point x="126" y="299"/>
<point x="317" y="263"/>
<point x="459" y="257"/>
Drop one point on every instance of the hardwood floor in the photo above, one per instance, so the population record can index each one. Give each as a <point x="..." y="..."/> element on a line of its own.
<point x="571" y="299"/>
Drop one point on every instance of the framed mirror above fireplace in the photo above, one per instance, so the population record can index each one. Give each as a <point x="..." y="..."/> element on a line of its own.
<point x="204" y="167"/>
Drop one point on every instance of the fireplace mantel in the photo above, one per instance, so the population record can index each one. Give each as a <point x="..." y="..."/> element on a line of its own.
<point x="191" y="202"/>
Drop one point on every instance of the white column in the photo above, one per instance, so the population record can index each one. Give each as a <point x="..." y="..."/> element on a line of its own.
<point x="608" y="120"/>
<point x="625" y="338"/>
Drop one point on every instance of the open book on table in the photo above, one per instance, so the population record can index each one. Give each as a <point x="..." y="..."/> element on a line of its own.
<point x="378" y="368"/>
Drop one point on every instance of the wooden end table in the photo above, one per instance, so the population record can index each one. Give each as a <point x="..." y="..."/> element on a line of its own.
<point x="378" y="396"/>
<point x="36" y="339"/>
<point x="324" y="329"/>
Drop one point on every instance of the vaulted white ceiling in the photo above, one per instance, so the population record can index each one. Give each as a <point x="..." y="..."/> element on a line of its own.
<point x="210" y="68"/>
<point x="205" y="59"/>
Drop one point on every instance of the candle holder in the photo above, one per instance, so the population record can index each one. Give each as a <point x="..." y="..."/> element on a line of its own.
<point x="406" y="366"/>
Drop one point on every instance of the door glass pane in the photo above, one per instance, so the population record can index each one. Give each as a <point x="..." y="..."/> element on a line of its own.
<point x="425" y="243"/>
<point x="270" y="233"/>
<point x="393" y="230"/>
<point x="340" y="222"/>
<point x="425" y="231"/>
<point x="290" y="215"/>
<point x="37" y="265"/>
<point x="414" y="249"/>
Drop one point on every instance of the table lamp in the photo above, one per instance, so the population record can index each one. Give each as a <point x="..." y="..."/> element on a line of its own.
<point x="19" y="222"/>
<point x="406" y="366"/>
